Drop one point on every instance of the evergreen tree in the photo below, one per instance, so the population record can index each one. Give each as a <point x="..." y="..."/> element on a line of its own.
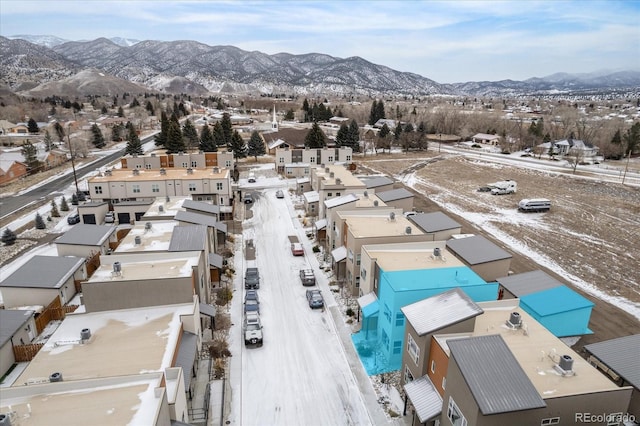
<point x="59" y="131"/>
<point x="256" y="145"/>
<point x="227" y="128"/>
<point x="190" y="135"/>
<point x="149" y="108"/>
<point x="632" y="139"/>
<point x="342" y="137"/>
<point x="237" y="146"/>
<point x="134" y="103"/>
<point x="116" y="132"/>
<point x="372" y="113"/>
<point x="397" y="132"/>
<point x="289" y="116"/>
<point x="64" y="206"/>
<point x="617" y="138"/>
<point x="161" y="138"/>
<point x="175" y="142"/>
<point x="104" y="109"/>
<point x="9" y="237"/>
<point x="354" y="136"/>
<point x="218" y="135"/>
<point x="305" y="105"/>
<point x="74" y="199"/>
<point x="384" y="136"/>
<point x="30" y="154"/>
<point x="120" y="112"/>
<point x="54" y="209"/>
<point x="380" y="114"/>
<point x="97" y="138"/>
<point x="40" y="222"/>
<point x="422" y="141"/>
<point x="32" y="126"/>
<point x="47" y="141"/>
<point x="134" y="146"/>
<point x="315" y="137"/>
<point x="207" y="143"/>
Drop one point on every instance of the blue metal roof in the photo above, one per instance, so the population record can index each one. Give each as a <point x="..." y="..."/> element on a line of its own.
<point x="555" y="300"/>
<point x="409" y="280"/>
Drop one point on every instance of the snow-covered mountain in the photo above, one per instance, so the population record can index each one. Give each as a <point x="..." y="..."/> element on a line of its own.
<point x="194" y="67"/>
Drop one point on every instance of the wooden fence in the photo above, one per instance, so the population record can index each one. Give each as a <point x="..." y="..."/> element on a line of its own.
<point x="55" y="311"/>
<point x="25" y="353"/>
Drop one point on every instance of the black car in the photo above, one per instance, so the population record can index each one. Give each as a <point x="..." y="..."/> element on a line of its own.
<point x="73" y="219"/>
<point x="252" y="279"/>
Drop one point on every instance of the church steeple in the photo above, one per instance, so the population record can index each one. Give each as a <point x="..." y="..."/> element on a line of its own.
<point x="274" y="122"/>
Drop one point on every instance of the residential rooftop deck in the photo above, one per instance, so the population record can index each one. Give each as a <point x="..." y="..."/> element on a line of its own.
<point x="146" y="266"/>
<point x="156" y="238"/>
<point x="411" y="256"/>
<point x="366" y="226"/>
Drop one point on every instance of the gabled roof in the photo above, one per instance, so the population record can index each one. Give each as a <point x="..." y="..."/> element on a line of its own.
<point x="476" y="250"/>
<point x="187" y="356"/>
<point x="375" y="181"/>
<point x="200" y="207"/>
<point x="339" y="201"/>
<point x="44" y="272"/>
<point x="439" y="311"/>
<point x="200" y="219"/>
<point x="495" y="378"/>
<point x="86" y="235"/>
<point x="485" y="136"/>
<point x="188" y="238"/>
<point x="10" y="322"/>
<point x="528" y="282"/>
<point x="434" y="222"/>
<point x="620" y="355"/>
<point x="290" y="136"/>
<point x="424" y="398"/>
<point x="394" y="194"/>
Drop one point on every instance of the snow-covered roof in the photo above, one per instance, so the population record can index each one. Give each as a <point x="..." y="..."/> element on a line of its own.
<point x="311" y="196"/>
<point x="44" y="272"/>
<point x="339" y="201"/>
<point x="339" y="254"/>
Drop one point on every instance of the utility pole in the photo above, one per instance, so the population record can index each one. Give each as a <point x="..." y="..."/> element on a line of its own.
<point x="626" y="167"/>
<point x="73" y="164"/>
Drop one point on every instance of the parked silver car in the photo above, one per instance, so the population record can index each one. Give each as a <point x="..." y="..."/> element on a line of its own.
<point x="315" y="299"/>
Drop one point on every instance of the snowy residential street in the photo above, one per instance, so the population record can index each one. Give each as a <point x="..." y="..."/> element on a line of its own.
<point x="302" y="374"/>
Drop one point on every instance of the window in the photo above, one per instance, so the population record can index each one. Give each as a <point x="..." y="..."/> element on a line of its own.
<point x="348" y="158"/>
<point x="337" y="194"/>
<point x="185" y="164"/>
<point x="408" y="377"/>
<point x="330" y="159"/>
<point x="385" y="339"/>
<point x="387" y="312"/>
<point x="329" y="194"/>
<point x="312" y="160"/>
<point x="413" y="349"/>
<point x="399" y="319"/>
<point x="155" y="187"/>
<point x="227" y="163"/>
<point x="219" y="186"/>
<point x="363" y="274"/>
<point x="358" y="259"/>
<point x="147" y="166"/>
<point x="444" y="383"/>
<point x="455" y="415"/>
<point x="357" y="282"/>
<point x="98" y="189"/>
<point x="550" y="421"/>
<point x="136" y="189"/>
<point x="138" y="166"/>
<point x="433" y="366"/>
<point x="397" y="346"/>
<point x="194" y="163"/>
<point x="306" y="170"/>
<point x="192" y="187"/>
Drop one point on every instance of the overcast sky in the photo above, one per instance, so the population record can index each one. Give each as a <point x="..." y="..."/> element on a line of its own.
<point x="445" y="41"/>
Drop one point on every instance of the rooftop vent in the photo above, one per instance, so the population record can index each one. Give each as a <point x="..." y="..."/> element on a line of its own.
<point x="338" y="181"/>
<point x="565" y="366"/>
<point x="153" y="154"/>
<point x="407" y="230"/>
<point x="161" y="208"/>
<point x="366" y="194"/>
<point x="107" y="172"/>
<point x="147" y="225"/>
<point x="375" y="203"/>
<point x="136" y="172"/>
<point x="437" y="252"/>
<point x="168" y="199"/>
<point x="85" y="334"/>
<point x="216" y="170"/>
<point x="137" y="240"/>
<point x="515" y="321"/>
<point x="189" y="171"/>
<point x="332" y="174"/>
<point x="163" y="171"/>
<point x="392" y="216"/>
<point x="55" y="377"/>
<point x="117" y="267"/>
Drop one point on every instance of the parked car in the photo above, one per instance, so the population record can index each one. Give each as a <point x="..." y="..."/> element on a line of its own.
<point x="73" y="219"/>
<point x="296" y="249"/>
<point x="251" y="306"/>
<point x="279" y="194"/>
<point x="315" y="299"/>
<point x="248" y="198"/>
<point x="252" y="328"/>
<point x="252" y="177"/>
<point x="307" y="277"/>
<point x="109" y="217"/>
<point x="252" y="279"/>
<point x="251" y="295"/>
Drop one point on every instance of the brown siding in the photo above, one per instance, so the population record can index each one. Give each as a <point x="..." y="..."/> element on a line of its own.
<point x="438" y="356"/>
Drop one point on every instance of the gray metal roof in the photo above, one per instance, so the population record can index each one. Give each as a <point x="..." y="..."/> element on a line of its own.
<point x="394" y="194"/>
<point x="477" y="249"/>
<point x="44" y="272"/>
<point x="208" y="310"/>
<point x="495" y="378"/>
<point x="528" y="282"/>
<point x="188" y="238"/>
<point x="86" y="235"/>
<point x="622" y="355"/>
<point x="441" y="310"/>
<point x="187" y="356"/>
<point x="10" y="322"/>
<point x="424" y="397"/>
<point x="136" y="203"/>
<point x="200" y="219"/>
<point x="434" y="222"/>
<point x="375" y="181"/>
<point x="215" y="260"/>
<point x="200" y="206"/>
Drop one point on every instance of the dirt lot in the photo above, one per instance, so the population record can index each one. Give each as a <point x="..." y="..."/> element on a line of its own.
<point x="591" y="236"/>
